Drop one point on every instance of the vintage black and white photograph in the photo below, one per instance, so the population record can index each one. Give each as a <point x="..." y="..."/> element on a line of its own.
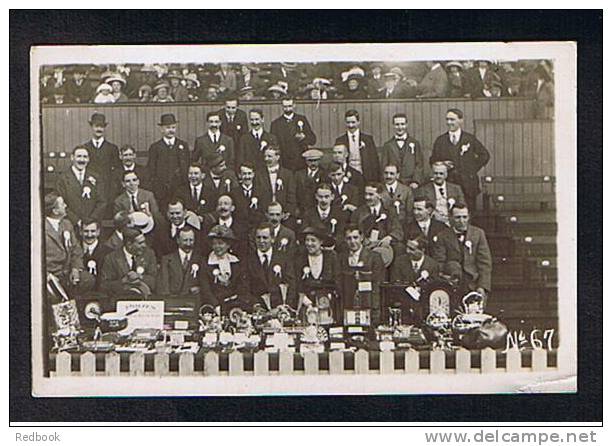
<point x="304" y="219"/>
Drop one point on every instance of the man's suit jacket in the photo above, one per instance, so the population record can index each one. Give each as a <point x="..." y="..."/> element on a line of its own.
<point x="80" y="94"/>
<point x="104" y="161"/>
<point x="167" y="167"/>
<point x="401" y="91"/>
<point x="239" y="227"/>
<point x="228" y="185"/>
<point x="465" y="172"/>
<point x="369" y="155"/>
<point x="428" y="191"/>
<point x="163" y="241"/>
<point x="63" y="251"/>
<point x="235" y="129"/>
<point x="214" y="293"/>
<point x="93" y="262"/>
<point x="388" y="225"/>
<point x="79" y="206"/>
<point x="176" y="280"/>
<point x="306" y="186"/>
<point x="402" y="270"/>
<point x="408" y="159"/>
<point x="116" y="186"/>
<point x="249" y="207"/>
<point x="336" y="231"/>
<point x="204" y="148"/>
<point x="265" y="280"/>
<point x="199" y="205"/>
<point x="403" y="195"/>
<point x="369" y="261"/>
<point x="330" y="273"/>
<point x="115" y="268"/>
<point x="473" y="254"/>
<point x="434" y="84"/>
<point x="144" y="199"/>
<point x="284" y="193"/>
<point x="349" y="194"/>
<point x="114" y="241"/>
<point x="413" y="230"/>
<point x="291" y="148"/>
<point x="253" y="151"/>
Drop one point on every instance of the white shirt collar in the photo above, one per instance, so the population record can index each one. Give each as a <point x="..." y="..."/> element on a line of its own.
<point x="183" y="255"/>
<point x="216" y="134"/>
<point x="170" y="141"/>
<point x="394" y="186"/>
<point x="90" y="248"/>
<point x="268" y="253"/>
<point x="457" y="133"/>
<point x="227" y="222"/>
<point x="97" y="142"/>
<point x="55" y="222"/>
<point x="258" y="132"/>
<point x="289" y="117"/>
<point x="356" y="133"/>
<point x="376" y="208"/>
<point x="276" y="231"/>
<point x="78" y="173"/>
<point x="418" y="263"/>
<point x="128" y="257"/>
<point x="322" y="212"/>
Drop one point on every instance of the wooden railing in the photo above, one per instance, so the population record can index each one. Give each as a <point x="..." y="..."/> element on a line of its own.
<point x="263" y="363"/>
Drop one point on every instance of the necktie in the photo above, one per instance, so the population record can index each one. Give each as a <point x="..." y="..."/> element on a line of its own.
<point x="256" y="135"/>
<point x="373" y="211"/>
<point x="265" y="262"/>
<point x="185" y="261"/>
<point x="453" y="139"/>
<point x="214" y="138"/>
<point x="194" y="193"/>
<point x="415" y="266"/>
<point x="134" y="267"/>
<point x="231" y="119"/>
<point x="354" y="137"/>
<point x="441" y="190"/>
<point x="391" y="190"/>
<point x="134" y="203"/>
<point x="248" y="193"/>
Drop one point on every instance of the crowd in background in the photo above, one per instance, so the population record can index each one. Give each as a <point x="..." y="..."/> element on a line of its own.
<point x="208" y="82"/>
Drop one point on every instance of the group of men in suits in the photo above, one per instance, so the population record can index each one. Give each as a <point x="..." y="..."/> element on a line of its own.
<point x="287" y="219"/>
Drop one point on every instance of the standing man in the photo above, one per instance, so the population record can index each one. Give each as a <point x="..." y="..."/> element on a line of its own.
<point x="82" y="189"/>
<point x="220" y="180"/>
<point x="441" y="192"/>
<point x="294" y="135"/>
<point x="253" y="144"/>
<point x="214" y="142"/>
<point x="248" y="195"/>
<point x="463" y="154"/>
<point x="103" y="155"/>
<point x="127" y="155"/>
<point x="306" y="180"/>
<point x="234" y="122"/>
<point x="277" y="183"/>
<point x="468" y="245"/>
<point x="404" y="151"/>
<point x="168" y="160"/>
<point x="362" y="153"/>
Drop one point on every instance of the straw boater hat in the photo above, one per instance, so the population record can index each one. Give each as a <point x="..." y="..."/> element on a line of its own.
<point x="142" y="221"/>
<point x="192" y="77"/>
<point x="454" y="63"/>
<point x="278" y="89"/>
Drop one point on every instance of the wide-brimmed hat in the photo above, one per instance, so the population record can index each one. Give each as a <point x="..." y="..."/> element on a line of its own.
<point x="246" y="89"/>
<point x="142" y="221"/>
<point x="454" y="63"/>
<point x="167" y="119"/>
<point x="192" y="77"/>
<point x="98" y="119"/>
<point x="277" y="88"/>
<point x="174" y="74"/>
<point x="103" y="87"/>
<point x="222" y="232"/>
<point x="161" y="85"/>
<point x="318" y="232"/>
<point x="115" y="78"/>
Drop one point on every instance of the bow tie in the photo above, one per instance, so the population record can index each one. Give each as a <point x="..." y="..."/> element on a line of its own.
<point x="215" y="178"/>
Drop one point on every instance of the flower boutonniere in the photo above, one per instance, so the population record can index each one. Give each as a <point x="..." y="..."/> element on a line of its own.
<point x="221" y="149"/>
<point x="216" y="273"/>
<point x="300" y="125"/>
<point x="361" y="145"/>
<point x="344" y="197"/>
<point x="228" y="184"/>
<point x="86" y="192"/>
<point x="237" y="126"/>
<point x="411" y="145"/>
<point x="140" y="270"/>
<point x="333" y="222"/>
<point x="277" y="270"/>
<point x="194" y="270"/>
<point x="279" y="183"/>
<point x="67" y="239"/>
<point x="468" y="245"/>
<point x="202" y="202"/>
<point x="181" y="147"/>
<point x="465" y="148"/>
<point x="92" y="267"/>
<point x="253" y="204"/>
<point x="306" y="272"/>
<point x="283" y="243"/>
<point x="381" y="217"/>
<point x="451" y="203"/>
<point x="263" y="145"/>
<point x="396" y="203"/>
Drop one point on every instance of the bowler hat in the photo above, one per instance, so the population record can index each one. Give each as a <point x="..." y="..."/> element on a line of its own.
<point x="98" y="119"/>
<point x="214" y="160"/>
<point x="167" y="119"/>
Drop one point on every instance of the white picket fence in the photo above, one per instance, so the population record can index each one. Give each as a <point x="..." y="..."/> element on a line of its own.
<point x="311" y="361"/>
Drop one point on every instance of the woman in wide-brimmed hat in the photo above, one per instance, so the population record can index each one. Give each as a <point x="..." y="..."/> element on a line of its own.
<point x="117" y="82"/>
<point x="223" y="282"/>
<point x="104" y="95"/>
<point x="162" y="93"/>
<point x="456" y="81"/>
<point x="316" y="269"/>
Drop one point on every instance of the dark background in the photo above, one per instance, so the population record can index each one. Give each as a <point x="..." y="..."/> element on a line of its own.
<point x="28" y="28"/>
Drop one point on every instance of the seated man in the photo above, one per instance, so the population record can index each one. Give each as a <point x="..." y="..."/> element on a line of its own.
<point x="416" y="268"/>
<point x="346" y="195"/>
<point x="423" y="224"/>
<point x="127" y="155"/>
<point x="268" y="268"/>
<point x="225" y="216"/>
<point x="165" y="233"/>
<point x="340" y="155"/>
<point x="135" y="199"/>
<point x="193" y="194"/>
<point x="94" y="252"/>
<point x="466" y="245"/>
<point x="131" y="270"/>
<point x="331" y="218"/>
<point x="277" y="183"/>
<point x="378" y="224"/>
<point x="284" y="238"/>
<point x="247" y="197"/>
<point x="362" y="272"/>
<point x="441" y="192"/>
<point x="179" y="270"/>
<point x="397" y="196"/>
<point x="63" y="253"/>
<point x="220" y="180"/>
<point x="121" y="220"/>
